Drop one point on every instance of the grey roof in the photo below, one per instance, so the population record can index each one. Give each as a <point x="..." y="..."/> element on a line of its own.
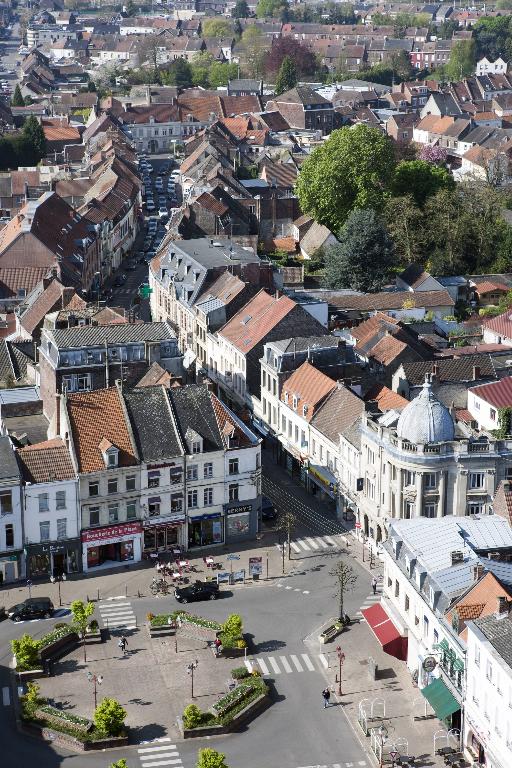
<point x="426" y="420"/>
<point x="118" y="333"/>
<point x="303" y="343"/>
<point x="451" y="369"/>
<point x="202" y="251"/>
<point x="499" y="633"/>
<point x="19" y="395"/>
<point x="339" y="412"/>
<point x="152" y="423"/>
<point x="192" y="405"/>
<point x="502" y="570"/>
<point x="244" y="85"/>
<point x="8" y="465"/>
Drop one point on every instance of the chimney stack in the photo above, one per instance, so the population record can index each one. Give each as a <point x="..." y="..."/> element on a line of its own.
<point x="435" y="370"/>
<point x="57" y="414"/>
<point x="478" y="571"/>
<point x="501" y="607"/>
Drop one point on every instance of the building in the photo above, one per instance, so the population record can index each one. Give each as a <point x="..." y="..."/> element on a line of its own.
<point x="486" y="401"/>
<point x="304" y="109"/>
<point x="486" y="67"/>
<point x="51" y="512"/>
<point x="11" y="525"/>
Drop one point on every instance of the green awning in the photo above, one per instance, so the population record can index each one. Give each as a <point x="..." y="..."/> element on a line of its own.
<point x="450" y="655"/>
<point x="442" y="646"/>
<point x="440" y="699"/>
<point x="458" y="665"/>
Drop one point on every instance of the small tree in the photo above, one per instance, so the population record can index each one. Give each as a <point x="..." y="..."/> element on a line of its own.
<point x="240" y="10"/>
<point x="288" y="522"/>
<point x="345" y="580"/>
<point x="233" y="625"/>
<point x="81" y="612"/>
<point x="17" y="98"/>
<point x="210" y="758"/>
<point x="287" y="76"/>
<point x="26" y="651"/>
<point x="109" y="717"/>
<point x="119" y="764"/>
<point x="30" y="701"/>
<point x="33" y="131"/>
<point x="192" y="716"/>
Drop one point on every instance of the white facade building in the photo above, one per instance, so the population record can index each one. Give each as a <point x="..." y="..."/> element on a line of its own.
<point x="11" y="531"/>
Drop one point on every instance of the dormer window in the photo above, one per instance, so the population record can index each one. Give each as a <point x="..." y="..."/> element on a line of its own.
<point x="304" y="410"/>
<point x="295" y="402"/>
<point x="110" y="453"/>
<point x="286" y="398"/>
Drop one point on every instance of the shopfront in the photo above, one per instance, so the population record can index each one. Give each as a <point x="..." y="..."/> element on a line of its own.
<point x="164" y="535"/>
<point x="10" y="567"/>
<point x="241" y="521"/>
<point x="322" y="483"/>
<point x="205" y="530"/>
<point x="53" y="558"/>
<point x="112" y="545"/>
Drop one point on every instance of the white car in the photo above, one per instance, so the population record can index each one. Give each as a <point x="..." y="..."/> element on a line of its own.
<point x="163" y="213"/>
<point x="175" y="175"/>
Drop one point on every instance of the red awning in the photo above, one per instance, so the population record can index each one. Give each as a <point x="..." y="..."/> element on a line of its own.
<point x="385" y="631"/>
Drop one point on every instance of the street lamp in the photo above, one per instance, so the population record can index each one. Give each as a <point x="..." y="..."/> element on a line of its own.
<point x="190" y="671"/>
<point x="394" y="756"/>
<point x="341" y="659"/>
<point x="382" y="733"/>
<point x="58" y="579"/>
<point x="96" y="680"/>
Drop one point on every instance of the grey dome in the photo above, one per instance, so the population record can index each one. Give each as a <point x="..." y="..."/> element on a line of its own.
<point x="425" y="420"/>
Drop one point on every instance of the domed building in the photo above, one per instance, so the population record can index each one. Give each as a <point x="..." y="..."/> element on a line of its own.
<point x="422" y="463"/>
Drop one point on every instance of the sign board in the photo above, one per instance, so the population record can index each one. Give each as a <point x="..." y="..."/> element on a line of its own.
<point x="357" y="525"/>
<point x="393" y="754"/>
<point x="240" y="509"/>
<point x="429" y="664"/>
<point x="255" y="566"/>
<point x="233" y="557"/>
<point x="112" y="533"/>
<point x="238" y="576"/>
<point x="223" y="578"/>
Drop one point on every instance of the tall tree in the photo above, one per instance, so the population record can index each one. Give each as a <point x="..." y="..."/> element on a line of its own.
<point x="363" y="257"/>
<point x="33" y="132"/>
<point x="405" y="225"/>
<point x="17" y="98"/>
<point x="344" y="580"/>
<point x="462" y="60"/>
<point x="420" y="179"/>
<point x="81" y="613"/>
<point x="401" y="66"/>
<point x="217" y="28"/>
<point x="352" y="169"/>
<point x="253" y="44"/>
<point x="271" y="9"/>
<point x="179" y="73"/>
<point x="305" y="61"/>
<point x="240" y="10"/>
<point x="200" y="66"/>
<point x="287" y="76"/>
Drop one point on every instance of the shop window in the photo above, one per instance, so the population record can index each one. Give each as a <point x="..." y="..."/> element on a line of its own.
<point x="94" y="489"/>
<point x="208" y="469"/>
<point x="6" y="503"/>
<point x="233" y="492"/>
<point x="201" y="533"/>
<point x="62" y="525"/>
<point x="233" y="467"/>
<point x="130" y="483"/>
<point x="131" y="510"/>
<point x="112" y="485"/>
<point x="208" y="497"/>
<point x="113" y="513"/>
<point x="94" y="516"/>
<point x="192" y="472"/>
<point x="238" y="525"/>
<point x="43" y="499"/>
<point x="44" y="531"/>
<point x="60" y="500"/>
<point x="153" y="478"/>
<point x="9" y="535"/>
<point x="192" y="499"/>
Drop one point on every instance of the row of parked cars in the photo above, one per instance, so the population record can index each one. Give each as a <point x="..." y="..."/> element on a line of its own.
<point x="160" y="194"/>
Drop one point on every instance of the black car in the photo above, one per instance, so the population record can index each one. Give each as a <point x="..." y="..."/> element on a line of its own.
<point x="120" y="280"/>
<point x="32" y="608"/>
<point x="200" y="590"/>
<point x="268" y="511"/>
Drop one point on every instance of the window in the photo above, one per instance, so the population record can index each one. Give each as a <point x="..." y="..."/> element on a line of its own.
<point x="488" y="671"/>
<point x="130" y="483"/>
<point x="295" y="402"/>
<point x="192" y="472"/>
<point x="112" y="459"/>
<point x="94" y="489"/>
<point x="113" y="513"/>
<point x="43" y="502"/>
<point x="62" y="528"/>
<point x="431" y="596"/>
<point x="425" y="626"/>
<point x="208" y="469"/>
<point x="112" y="485"/>
<point x="153" y="478"/>
<point x="409" y="477"/>
<point x="477" y="656"/>
<point x="475" y="508"/>
<point x="131" y="510"/>
<point x="192" y="499"/>
<point x="154" y="507"/>
<point x="492" y="414"/>
<point x="60" y="500"/>
<point x="397" y="589"/>
<point x="430" y="509"/>
<point x="94" y="516"/>
<point x="44" y="531"/>
<point x="406" y="603"/>
<point x="6" y="503"/>
<point x="233" y="492"/>
<point x="233" y="467"/>
<point x="296" y="434"/>
<point x="196" y="447"/>
<point x="9" y="535"/>
<point x="476" y="480"/>
<point x="435" y="635"/>
<point x="208" y="497"/>
<point x="430" y="479"/>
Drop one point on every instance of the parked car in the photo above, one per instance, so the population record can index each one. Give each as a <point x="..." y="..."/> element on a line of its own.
<point x="32" y="608"/>
<point x="120" y="280"/>
<point x="199" y="590"/>
<point x="268" y="511"/>
<point x="163" y="212"/>
<point x="150" y="206"/>
<point x="130" y="265"/>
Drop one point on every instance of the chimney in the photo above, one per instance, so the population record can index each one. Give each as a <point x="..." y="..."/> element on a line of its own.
<point x="435" y="370"/>
<point x="476" y="372"/>
<point x="57" y="414"/>
<point x="501" y="607"/>
<point x="478" y="572"/>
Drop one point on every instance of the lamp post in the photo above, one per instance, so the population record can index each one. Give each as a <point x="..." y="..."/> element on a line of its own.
<point x="383" y="735"/>
<point x="341" y="660"/>
<point x="190" y="670"/>
<point x="96" y="680"/>
<point x="58" y="579"/>
<point x="393" y="755"/>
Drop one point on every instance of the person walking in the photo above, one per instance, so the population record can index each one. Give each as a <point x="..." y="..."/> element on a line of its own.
<point x="374" y="585"/>
<point x="326" y="696"/>
<point x="123" y="642"/>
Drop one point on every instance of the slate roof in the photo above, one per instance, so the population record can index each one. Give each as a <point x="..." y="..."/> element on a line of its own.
<point x="303" y="343"/>
<point x="453" y="369"/>
<point x="414" y="275"/>
<point x="152" y="423"/>
<point x="340" y="411"/>
<point x="8" y="464"/>
<point x="47" y="461"/>
<point x="118" y="333"/>
<point x="387" y="299"/>
<point x="499" y="633"/>
<point x="96" y="416"/>
<point x="301" y="94"/>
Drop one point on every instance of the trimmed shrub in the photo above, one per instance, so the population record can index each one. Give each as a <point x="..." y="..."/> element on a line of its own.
<point x="26" y="651"/>
<point x="109" y="717"/>
<point x="192" y="716"/>
<point x="239" y="673"/>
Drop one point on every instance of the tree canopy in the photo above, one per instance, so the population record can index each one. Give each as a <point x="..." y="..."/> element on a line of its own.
<point x="287" y="76"/>
<point x="352" y="169"/>
<point x="303" y="59"/>
<point x="17" y="97"/>
<point x="271" y="9"/>
<point x="178" y="73"/>
<point x="240" y="10"/>
<point x="364" y="255"/>
<point x="253" y="45"/>
<point x="420" y="179"/>
<point x="462" y="60"/>
<point x="217" y="28"/>
<point x="210" y="758"/>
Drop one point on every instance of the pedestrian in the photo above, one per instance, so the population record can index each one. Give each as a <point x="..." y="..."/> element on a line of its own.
<point x="123" y="642"/>
<point x="374" y="585"/>
<point x="327" y="697"/>
<point x="218" y="646"/>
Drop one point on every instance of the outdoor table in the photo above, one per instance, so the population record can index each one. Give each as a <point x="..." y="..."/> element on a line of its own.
<point x="184" y="563"/>
<point x="209" y="560"/>
<point x="454" y="758"/>
<point x="446" y="751"/>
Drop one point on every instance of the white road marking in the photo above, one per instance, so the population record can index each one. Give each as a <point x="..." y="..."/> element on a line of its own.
<point x="305" y="592"/>
<point x="284" y="662"/>
<point x="324" y="661"/>
<point x="162" y="762"/>
<point x="248" y="665"/>
<point x="274" y="665"/>
<point x="155" y="749"/>
<point x="297" y="663"/>
<point x="308" y="662"/>
<point x="330" y="541"/>
<point x="304" y="546"/>
<point x="296" y="589"/>
<point x="312" y="542"/>
<point x="287" y="587"/>
<point x="295" y="548"/>
<point x="6" y="696"/>
<point x="263" y="666"/>
<point x="322" y="542"/>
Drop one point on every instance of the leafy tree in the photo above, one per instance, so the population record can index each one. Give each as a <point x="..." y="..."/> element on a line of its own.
<point x="405" y="225"/>
<point x="192" y="716"/>
<point x="233" y="625"/>
<point x="131" y="8"/>
<point x="345" y="580"/>
<point x="119" y="764"/>
<point x="34" y="133"/>
<point x="304" y="60"/>
<point x="446" y="29"/>
<point x="253" y="44"/>
<point x="462" y="60"/>
<point x="492" y="36"/>
<point x="109" y="717"/>
<point x="364" y="255"/>
<point x="217" y="28"/>
<point x="179" y="73"/>
<point x="240" y="10"/>
<point x="221" y="72"/>
<point x="26" y="650"/>
<point x="210" y="758"/>
<point x="17" y="98"/>
<point x="81" y="612"/>
<point x="91" y="86"/>
<point x="271" y="9"/>
<point x="200" y="66"/>
<point x="352" y="169"/>
<point x="432" y="154"/>
<point x="504" y="5"/>
<point x="401" y="66"/>
<point x="287" y="76"/>
<point x="421" y="179"/>
<point x="30" y="701"/>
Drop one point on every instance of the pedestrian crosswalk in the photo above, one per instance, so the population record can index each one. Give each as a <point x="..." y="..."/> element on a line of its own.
<point x="314" y="544"/>
<point x="295" y="662"/>
<point x="370" y="600"/>
<point x="160" y="753"/>
<point x="353" y="764"/>
<point x="117" y="613"/>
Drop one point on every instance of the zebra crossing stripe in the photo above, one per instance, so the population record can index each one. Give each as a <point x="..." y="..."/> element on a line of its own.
<point x="322" y="543"/>
<point x="295" y="548"/>
<point x="297" y="663"/>
<point x="312" y="542"/>
<point x="156" y="749"/>
<point x="308" y="662"/>
<point x="284" y="662"/>
<point x="248" y="665"/>
<point x="330" y="541"/>
<point x="324" y="661"/>
<point x="263" y="666"/>
<point x="162" y="762"/>
<point x="304" y="546"/>
<point x="273" y="663"/>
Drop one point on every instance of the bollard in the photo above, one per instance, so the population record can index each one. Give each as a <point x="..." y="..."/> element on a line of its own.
<point x="98" y="595"/>
<point x="138" y="593"/>
<point x="87" y="599"/>
<point x="126" y="590"/>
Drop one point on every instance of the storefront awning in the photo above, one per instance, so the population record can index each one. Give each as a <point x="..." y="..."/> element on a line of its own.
<point x="440" y="699"/>
<point x="325" y="476"/>
<point x="385" y="631"/>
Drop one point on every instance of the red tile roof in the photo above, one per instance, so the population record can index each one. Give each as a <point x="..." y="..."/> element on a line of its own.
<point x="501" y="324"/>
<point x="497" y="393"/>
<point x="255" y="320"/>
<point x="487" y="287"/>
<point x="47" y="461"/>
<point x="385" y="398"/>
<point x="310" y="386"/>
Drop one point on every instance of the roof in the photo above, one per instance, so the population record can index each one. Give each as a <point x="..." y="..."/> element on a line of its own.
<point x="497" y="393"/>
<point x="499" y="633"/>
<point x="8" y="465"/>
<point x="310" y="386"/>
<point x="502" y="504"/>
<point x="55" y="295"/>
<point x="46" y="462"/>
<point x="301" y="94"/>
<point x="117" y="333"/>
<point x="385" y="300"/>
<point x="385" y="398"/>
<point x="95" y="416"/>
<point x="152" y="423"/>
<point x="478" y="601"/>
<point x="486" y="286"/>
<point x="501" y="325"/>
<point x="451" y="369"/>
<point x="414" y="275"/>
<point x="337" y="413"/>
<point x="155" y="375"/>
<point x="255" y="320"/>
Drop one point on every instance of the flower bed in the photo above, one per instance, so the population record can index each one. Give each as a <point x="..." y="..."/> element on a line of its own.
<point x="227" y="707"/>
<point x="55" y="635"/>
<point x="161" y="620"/>
<point x="58" y="717"/>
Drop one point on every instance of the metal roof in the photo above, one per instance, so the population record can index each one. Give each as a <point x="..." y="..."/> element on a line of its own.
<point x="19" y="395"/>
<point x="118" y="333"/>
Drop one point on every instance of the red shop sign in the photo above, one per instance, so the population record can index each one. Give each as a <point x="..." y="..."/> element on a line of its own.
<point x="112" y="532"/>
